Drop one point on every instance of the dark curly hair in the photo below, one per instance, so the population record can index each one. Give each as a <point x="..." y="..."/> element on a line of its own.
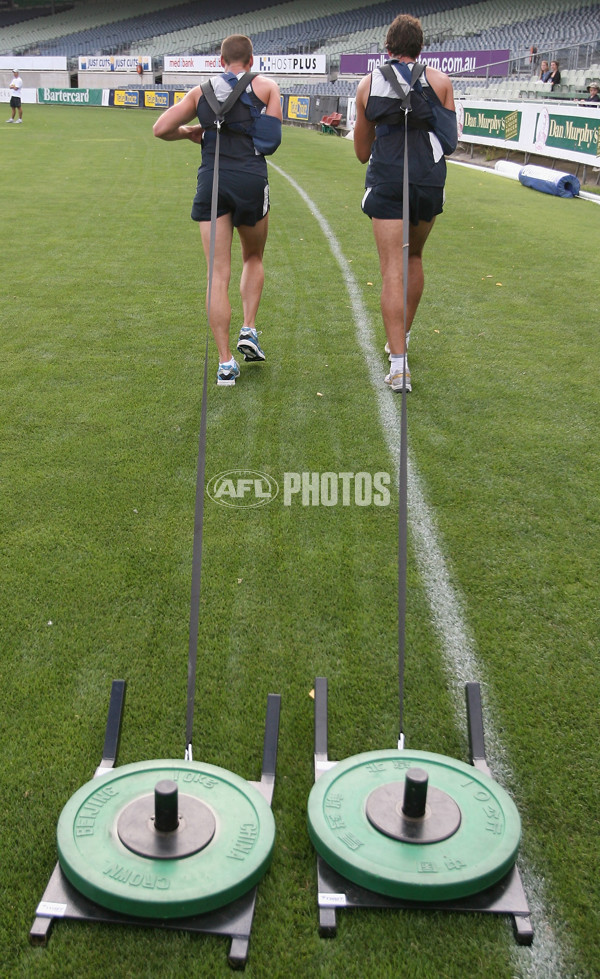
<point x="405" y="37"/>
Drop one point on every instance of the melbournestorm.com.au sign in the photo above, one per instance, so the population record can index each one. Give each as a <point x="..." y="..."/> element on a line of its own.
<point x="250" y="489"/>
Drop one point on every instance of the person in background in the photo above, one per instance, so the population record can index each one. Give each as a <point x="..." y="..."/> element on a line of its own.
<point x="544" y="71"/>
<point x="554" y="76"/>
<point x="533" y="57"/>
<point x="379" y="139"/>
<point x="15" y="100"/>
<point x="243" y="200"/>
<point x="593" y="96"/>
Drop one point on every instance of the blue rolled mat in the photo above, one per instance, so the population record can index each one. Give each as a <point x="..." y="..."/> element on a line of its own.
<point x="550" y="181"/>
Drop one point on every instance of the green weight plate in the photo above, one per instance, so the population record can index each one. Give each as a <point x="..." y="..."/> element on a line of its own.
<point x="478" y="854"/>
<point x="98" y="864"/>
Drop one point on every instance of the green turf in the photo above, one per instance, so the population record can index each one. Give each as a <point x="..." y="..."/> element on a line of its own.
<point x="103" y="339"/>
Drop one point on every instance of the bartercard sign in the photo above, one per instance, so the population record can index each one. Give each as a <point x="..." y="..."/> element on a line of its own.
<point x="70" y="96"/>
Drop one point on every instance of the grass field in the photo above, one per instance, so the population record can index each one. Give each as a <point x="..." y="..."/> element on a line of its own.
<point x="102" y="355"/>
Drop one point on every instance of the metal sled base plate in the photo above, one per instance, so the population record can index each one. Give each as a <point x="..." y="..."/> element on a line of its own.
<point x="357" y="824"/>
<point x="336" y="892"/>
<point x="62" y="900"/>
<point x="359" y="805"/>
<point x="163" y="822"/>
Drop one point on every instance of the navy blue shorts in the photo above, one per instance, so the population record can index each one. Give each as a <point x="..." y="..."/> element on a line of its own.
<point x="243" y="195"/>
<point x="385" y="201"/>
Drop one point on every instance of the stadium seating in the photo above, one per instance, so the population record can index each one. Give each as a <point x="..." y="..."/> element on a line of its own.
<point x="165" y="26"/>
<point x="15" y="15"/>
<point x="330" y="123"/>
<point x="490" y="25"/>
<point x="20" y="37"/>
<point x="169" y="26"/>
<point x="331" y="27"/>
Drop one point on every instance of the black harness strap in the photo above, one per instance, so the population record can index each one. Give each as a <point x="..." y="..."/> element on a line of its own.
<point x="391" y="76"/>
<point x="220" y="109"/>
<point x="389" y="73"/>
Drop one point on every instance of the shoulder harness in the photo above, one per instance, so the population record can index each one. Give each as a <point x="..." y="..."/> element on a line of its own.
<point x="390" y="75"/>
<point x="221" y="109"/>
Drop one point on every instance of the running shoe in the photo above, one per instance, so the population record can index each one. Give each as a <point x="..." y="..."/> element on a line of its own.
<point x="227" y="374"/>
<point x="395" y="380"/>
<point x="248" y="344"/>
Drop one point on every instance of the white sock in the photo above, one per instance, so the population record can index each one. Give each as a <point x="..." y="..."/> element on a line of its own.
<point x="397" y="363"/>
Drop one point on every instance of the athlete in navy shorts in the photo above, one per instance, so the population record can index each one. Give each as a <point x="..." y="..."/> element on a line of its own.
<point x="243" y="199"/>
<point x="379" y="139"/>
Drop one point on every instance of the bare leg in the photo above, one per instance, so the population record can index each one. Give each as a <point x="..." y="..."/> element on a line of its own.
<point x="388" y="238"/>
<point x="253" y="242"/>
<point x="219" y="314"/>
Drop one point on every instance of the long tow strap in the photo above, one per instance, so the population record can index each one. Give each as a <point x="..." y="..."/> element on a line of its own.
<point x="390" y="74"/>
<point x="200" y="476"/>
<point x="403" y="475"/>
<point x="220" y="110"/>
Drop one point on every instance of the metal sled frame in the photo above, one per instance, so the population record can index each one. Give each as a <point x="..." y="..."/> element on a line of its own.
<point x="336" y="892"/>
<point x="234" y="920"/>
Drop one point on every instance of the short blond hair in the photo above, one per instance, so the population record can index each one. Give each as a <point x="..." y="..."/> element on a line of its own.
<point x="237" y="49"/>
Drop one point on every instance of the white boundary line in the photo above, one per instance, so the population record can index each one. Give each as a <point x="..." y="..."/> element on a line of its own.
<point x="542" y="960"/>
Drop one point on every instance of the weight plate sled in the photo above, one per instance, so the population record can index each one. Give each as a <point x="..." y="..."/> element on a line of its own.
<point x="214" y="842"/>
<point x="356" y="824"/>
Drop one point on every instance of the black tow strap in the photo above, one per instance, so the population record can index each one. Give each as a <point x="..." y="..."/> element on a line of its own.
<point x="220" y="109"/>
<point x="390" y="74"/>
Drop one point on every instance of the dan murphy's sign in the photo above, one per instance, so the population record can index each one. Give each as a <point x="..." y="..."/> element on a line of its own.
<point x="568" y="132"/>
<point x="500" y="123"/>
<point x="561" y="131"/>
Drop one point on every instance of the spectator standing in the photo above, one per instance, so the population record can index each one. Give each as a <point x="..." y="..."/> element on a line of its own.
<point x="15" y="100"/>
<point x="533" y="57"/>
